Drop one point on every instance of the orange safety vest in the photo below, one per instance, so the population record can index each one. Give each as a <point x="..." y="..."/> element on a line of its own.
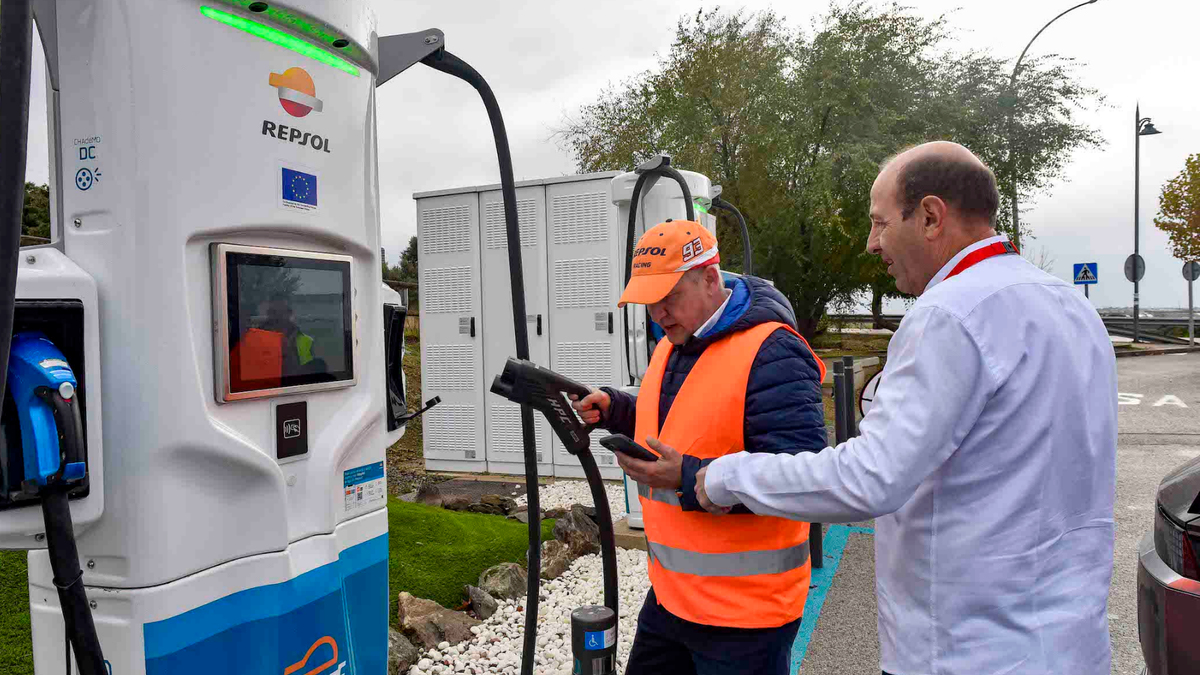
<point x="738" y="570"/>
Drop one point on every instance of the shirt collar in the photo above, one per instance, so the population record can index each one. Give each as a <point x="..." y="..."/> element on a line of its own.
<point x="712" y="320"/>
<point x="948" y="267"/>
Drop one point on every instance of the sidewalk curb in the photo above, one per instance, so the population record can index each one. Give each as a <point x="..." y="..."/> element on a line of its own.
<point x="1157" y="352"/>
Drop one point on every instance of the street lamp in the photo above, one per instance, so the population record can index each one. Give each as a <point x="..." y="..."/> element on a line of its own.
<point x="1143" y="127"/>
<point x="1012" y="91"/>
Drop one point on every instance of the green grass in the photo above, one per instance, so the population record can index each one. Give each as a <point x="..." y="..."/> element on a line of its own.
<point x="435" y="551"/>
<point x="833" y="345"/>
<point x="16" y="642"/>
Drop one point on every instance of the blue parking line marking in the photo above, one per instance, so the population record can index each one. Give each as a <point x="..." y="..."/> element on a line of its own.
<point x="834" y="544"/>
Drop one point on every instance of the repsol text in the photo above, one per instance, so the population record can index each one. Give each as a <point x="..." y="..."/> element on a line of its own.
<point x="293" y="135"/>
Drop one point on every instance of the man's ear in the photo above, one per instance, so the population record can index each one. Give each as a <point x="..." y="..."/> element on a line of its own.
<point x="932" y="213"/>
<point x="713" y="275"/>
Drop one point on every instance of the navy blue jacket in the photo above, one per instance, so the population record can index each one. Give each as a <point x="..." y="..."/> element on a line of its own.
<point x="784" y="411"/>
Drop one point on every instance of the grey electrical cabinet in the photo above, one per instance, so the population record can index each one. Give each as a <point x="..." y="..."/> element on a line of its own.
<point x="568" y="235"/>
<point x="583" y="269"/>
<point x="451" y="332"/>
<point x="505" y="448"/>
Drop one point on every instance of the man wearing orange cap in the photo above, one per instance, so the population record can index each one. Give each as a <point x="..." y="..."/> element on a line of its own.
<point x="732" y="375"/>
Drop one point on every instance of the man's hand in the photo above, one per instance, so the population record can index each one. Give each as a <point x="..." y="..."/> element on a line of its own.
<point x="593" y="408"/>
<point x="667" y="472"/>
<point x="702" y="496"/>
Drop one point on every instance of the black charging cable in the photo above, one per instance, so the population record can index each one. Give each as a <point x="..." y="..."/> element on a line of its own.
<point x="450" y="64"/>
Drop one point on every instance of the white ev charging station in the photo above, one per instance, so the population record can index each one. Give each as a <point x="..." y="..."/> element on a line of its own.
<point x="659" y="199"/>
<point x="656" y="192"/>
<point x="202" y="370"/>
<point x="207" y="334"/>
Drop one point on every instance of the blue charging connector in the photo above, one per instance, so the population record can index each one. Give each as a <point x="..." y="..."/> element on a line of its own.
<point x="43" y="386"/>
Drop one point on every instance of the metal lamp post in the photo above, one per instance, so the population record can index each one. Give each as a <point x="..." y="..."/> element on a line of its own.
<point x="1012" y="91"/>
<point x="1143" y="127"/>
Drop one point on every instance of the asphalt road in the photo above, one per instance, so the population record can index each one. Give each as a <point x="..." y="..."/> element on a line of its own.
<point x="1159" y="429"/>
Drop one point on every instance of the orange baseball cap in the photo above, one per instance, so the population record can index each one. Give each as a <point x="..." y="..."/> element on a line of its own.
<point x="663" y="254"/>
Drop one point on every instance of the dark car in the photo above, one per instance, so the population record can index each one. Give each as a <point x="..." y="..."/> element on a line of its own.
<point x="1169" y="577"/>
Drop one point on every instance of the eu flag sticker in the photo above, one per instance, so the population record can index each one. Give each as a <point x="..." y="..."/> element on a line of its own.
<point x="299" y="190"/>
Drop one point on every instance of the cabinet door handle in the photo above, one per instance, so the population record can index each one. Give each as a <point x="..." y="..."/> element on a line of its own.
<point x="472" y="326"/>
<point x="610" y="326"/>
<point x="539" y="324"/>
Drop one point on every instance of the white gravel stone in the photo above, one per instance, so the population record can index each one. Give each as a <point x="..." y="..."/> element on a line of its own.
<point x="497" y="645"/>
<point x="562" y="494"/>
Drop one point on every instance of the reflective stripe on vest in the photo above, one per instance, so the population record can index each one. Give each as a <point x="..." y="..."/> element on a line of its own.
<point x="739" y="571"/>
<point x="659" y="495"/>
<point x="744" y="564"/>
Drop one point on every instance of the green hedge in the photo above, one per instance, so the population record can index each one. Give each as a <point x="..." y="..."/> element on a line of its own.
<point x="16" y="642"/>
<point x="435" y="551"/>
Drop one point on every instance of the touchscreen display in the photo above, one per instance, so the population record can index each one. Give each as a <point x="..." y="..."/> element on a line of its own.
<point x="289" y="321"/>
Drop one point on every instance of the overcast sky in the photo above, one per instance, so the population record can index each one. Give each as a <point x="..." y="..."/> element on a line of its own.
<point x="546" y="59"/>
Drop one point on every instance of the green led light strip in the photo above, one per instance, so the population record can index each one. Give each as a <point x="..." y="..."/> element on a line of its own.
<point x="280" y="38"/>
<point x="698" y="207"/>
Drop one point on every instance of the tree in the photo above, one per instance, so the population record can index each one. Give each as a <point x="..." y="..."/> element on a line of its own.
<point x="795" y="124"/>
<point x="35" y="217"/>
<point x="1179" y="211"/>
<point x="1044" y="261"/>
<point x="407" y="269"/>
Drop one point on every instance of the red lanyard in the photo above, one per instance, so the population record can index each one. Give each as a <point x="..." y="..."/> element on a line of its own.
<point x="981" y="254"/>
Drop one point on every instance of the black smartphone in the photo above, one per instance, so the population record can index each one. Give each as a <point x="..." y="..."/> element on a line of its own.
<point x="625" y="444"/>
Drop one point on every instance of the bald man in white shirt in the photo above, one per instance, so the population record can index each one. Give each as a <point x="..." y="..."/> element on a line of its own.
<point x="988" y="458"/>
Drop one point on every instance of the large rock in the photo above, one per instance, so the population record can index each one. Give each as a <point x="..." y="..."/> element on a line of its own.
<point x="430" y="494"/>
<point x="456" y="503"/>
<point x="402" y="654"/>
<point x="556" y="559"/>
<point x="589" y="511"/>
<point x="580" y="533"/>
<point x="489" y="509"/>
<point x="430" y="624"/>
<point x="483" y="604"/>
<point x="505" y="581"/>
<point x="505" y="504"/>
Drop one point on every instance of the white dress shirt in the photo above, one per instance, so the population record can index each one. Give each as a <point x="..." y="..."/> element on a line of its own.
<point x="988" y="460"/>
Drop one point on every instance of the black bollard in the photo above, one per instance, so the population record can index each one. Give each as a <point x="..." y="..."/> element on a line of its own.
<point x="594" y="640"/>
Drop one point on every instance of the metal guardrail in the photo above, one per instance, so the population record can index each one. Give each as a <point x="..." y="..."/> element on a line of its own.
<point x="1149" y="328"/>
<point x="1144" y="321"/>
<point x="864" y="317"/>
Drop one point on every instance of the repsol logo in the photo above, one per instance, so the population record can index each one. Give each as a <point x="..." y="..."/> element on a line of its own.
<point x="650" y="250"/>
<point x="325" y="668"/>
<point x="293" y="135"/>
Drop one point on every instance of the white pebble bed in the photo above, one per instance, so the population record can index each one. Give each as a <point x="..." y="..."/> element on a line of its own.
<point x="498" y="642"/>
<point x="561" y="494"/>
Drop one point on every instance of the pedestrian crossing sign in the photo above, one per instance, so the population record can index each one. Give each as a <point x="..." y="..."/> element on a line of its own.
<point x="1085" y="273"/>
